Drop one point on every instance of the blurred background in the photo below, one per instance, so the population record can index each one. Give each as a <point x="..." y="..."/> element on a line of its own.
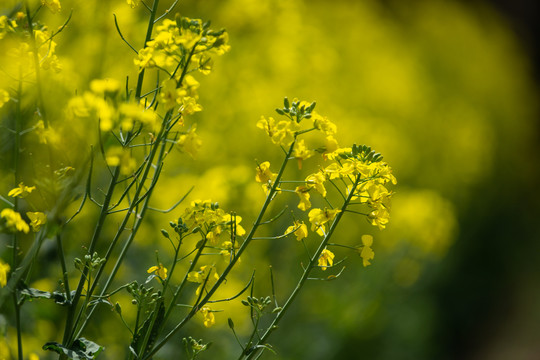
<point x="447" y="91"/>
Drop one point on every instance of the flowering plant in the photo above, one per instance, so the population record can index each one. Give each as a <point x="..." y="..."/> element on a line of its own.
<point x="131" y="130"/>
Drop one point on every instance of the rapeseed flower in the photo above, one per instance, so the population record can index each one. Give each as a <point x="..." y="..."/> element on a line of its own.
<point x="303" y="193"/>
<point x="367" y="253"/>
<point x="21" y="191"/>
<point x="205" y="272"/>
<point x="316" y="181"/>
<point x="4" y="269"/>
<point x="53" y="5"/>
<point x="326" y="259"/>
<point x="14" y="222"/>
<point x="319" y="217"/>
<point x="301" y="152"/>
<point x="190" y="142"/>
<point x="299" y="229"/>
<point x="208" y="316"/>
<point x="264" y="175"/>
<point x="37" y="219"/>
<point x="159" y="270"/>
<point x="4" y="97"/>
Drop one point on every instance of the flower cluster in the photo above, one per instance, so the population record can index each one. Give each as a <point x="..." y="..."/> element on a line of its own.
<point x="102" y="102"/>
<point x="356" y="172"/>
<point x="211" y="221"/>
<point x="12" y="220"/>
<point x="184" y="39"/>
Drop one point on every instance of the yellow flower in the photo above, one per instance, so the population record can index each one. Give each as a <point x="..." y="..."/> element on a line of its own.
<point x="190" y="142"/>
<point x="4" y="269"/>
<point x="282" y="132"/>
<point x="326" y="259"/>
<point x="303" y="192"/>
<point x="301" y="152"/>
<point x="319" y="217"/>
<point x="323" y="124"/>
<point x="201" y="276"/>
<point x="226" y="248"/>
<point x="208" y="316"/>
<point x="264" y="175"/>
<point x="119" y="156"/>
<point x="36" y="220"/>
<point x="53" y="5"/>
<point x="317" y="181"/>
<point x="33" y="356"/>
<point x="379" y="217"/>
<point x="21" y="191"/>
<point x="14" y="221"/>
<point x="160" y="271"/>
<point x="4" y="97"/>
<point x="133" y="3"/>
<point x="102" y="86"/>
<point x="189" y="106"/>
<point x="384" y="172"/>
<point x="330" y="148"/>
<point x="299" y="229"/>
<point x="169" y="93"/>
<point x="367" y="253"/>
<point x="145" y="58"/>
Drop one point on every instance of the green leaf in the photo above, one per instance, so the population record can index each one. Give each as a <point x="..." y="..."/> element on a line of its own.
<point x="82" y="349"/>
<point x="58" y="297"/>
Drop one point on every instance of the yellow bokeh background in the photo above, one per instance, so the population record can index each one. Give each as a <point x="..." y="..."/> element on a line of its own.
<point x="443" y="89"/>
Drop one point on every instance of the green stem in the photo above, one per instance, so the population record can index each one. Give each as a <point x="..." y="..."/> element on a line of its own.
<point x="305" y="275"/>
<point x="105" y="207"/>
<point x="64" y="267"/>
<point x="70" y="326"/>
<point x="158" y="145"/>
<point x="229" y="267"/>
<point x="15" y="242"/>
<point x="34" y="47"/>
<point x="148" y="37"/>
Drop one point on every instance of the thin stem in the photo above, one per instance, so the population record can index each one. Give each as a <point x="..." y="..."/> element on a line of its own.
<point x="64" y="268"/>
<point x="148" y="37"/>
<point x="70" y="326"/>
<point x="229" y="267"/>
<point x="306" y="273"/>
<point x="34" y="47"/>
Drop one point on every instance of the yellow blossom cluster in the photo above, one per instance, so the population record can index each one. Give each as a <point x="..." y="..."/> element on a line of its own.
<point x="212" y="221"/>
<point x="205" y="276"/>
<point x="13" y="221"/>
<point x="355" y="169"/>
<point x="101" y="102"/>
<point x="182" y="39"/>
<point x="4" y="269"/>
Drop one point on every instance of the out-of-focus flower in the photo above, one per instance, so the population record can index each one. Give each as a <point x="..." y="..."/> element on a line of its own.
<point x="14" y="222"/>
<point x="21" y="191"/>
<point x="53" y="5"/>
<point x="190" y="142"/>
<point x="37" y="219"/>
<point x="4" y="96"/>
<point x="4" y="269"/>
<point x="208" y="316"/>
<point x="367" y="253"/>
